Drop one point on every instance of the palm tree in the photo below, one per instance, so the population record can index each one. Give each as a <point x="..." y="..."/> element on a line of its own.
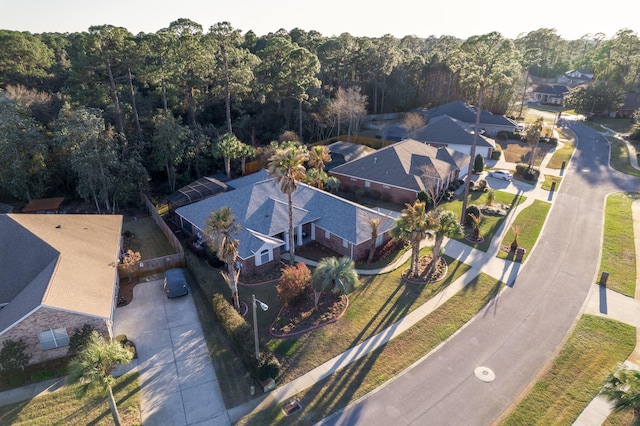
<point x="444" y="223"/>
<point x="287" y="167"/>
<point x="623" y="389"/>
<point x="375" y="223"/>
<point x="532" y="137"/>
<point x="318" y="157"/>
<point x="221" y="226"/>
<point x="94" y="364"/>
<point x="338" y="275"/>
<point x="476" y="220"/>
<point x="413" y="226"/>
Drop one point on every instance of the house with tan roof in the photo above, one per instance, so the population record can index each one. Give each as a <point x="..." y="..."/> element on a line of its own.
<point x="59" y="272"/>
<point x="400" y="171"/>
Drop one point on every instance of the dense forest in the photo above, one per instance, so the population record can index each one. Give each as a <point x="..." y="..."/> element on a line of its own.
<point x="100" y="114"/>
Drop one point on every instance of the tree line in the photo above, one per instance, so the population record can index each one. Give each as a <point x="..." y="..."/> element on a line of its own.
<point x="100" y="114"/>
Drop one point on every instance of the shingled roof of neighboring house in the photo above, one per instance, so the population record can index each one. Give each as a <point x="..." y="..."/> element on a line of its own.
<point x="404" y="164"/>
<point x="552" y="89"/>
<point x="466" y="113"/>
<point x="343" y="152"/>
<point x="262" y="210"/>
<point x="631" y="101"/>
<point x="65" y="262"/>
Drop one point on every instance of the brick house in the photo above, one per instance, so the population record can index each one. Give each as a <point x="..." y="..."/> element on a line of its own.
<point x="263" y="211"/>
<point x="400" y="171"/>
<point x="59" y="272"/>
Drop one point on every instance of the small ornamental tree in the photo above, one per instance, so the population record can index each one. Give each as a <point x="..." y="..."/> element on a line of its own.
<point x="294" y="284"/>
<point x="131" y="262"/>
<point x="13" y="356"/>
<point x="478" y="164"/>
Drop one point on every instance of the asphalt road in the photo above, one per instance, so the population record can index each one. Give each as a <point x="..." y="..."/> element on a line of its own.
<point x="521" y="331"/>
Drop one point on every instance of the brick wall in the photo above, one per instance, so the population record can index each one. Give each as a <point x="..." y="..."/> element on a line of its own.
<point x="377" y="191"/>
<point x="44" y="319"/>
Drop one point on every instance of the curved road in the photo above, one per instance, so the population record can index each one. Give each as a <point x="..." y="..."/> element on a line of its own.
<point x="517" y="334"/>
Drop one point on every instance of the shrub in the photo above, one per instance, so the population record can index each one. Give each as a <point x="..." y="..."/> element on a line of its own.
<point x="497" y="153"/>
<point x="13" y="356"/>
<point x="502" y="136"/>
<point x="472" y="210"/>
<point x="423" y="196"/>
<point x="127" y="344"/>
<point x="374" y="194"/>
<point x="385" y="196"/>
<point x="79" y="338"/>
<point x="527" y="173"/>
<point x="480" y="185"/>
<point x="294" y="283"/>
<point x="478" y="164"/>
<point x="386" y="249"/>
<point x="241" y="336"/>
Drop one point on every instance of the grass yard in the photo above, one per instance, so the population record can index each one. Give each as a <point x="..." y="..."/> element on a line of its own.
<point x="147" y="238"/>
<point x="519" y="152"/>
<point x="65" y="407"/>
<point x="490" y="224"/>
<point x="371" y="371"/>
<point x="594" y="349"/>
<point x="549" y="181"/>
<point x="618" y="254"/>
<point x="530" y="220"/>
<point x="620" y="157"/>
<point x="377" y="302"/>
<point x="562" y="154"/>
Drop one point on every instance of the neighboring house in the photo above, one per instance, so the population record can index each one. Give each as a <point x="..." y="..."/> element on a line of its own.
<point x="447" y="131"/>
<point x="575" y="77"/>
<point x="44" y="205"/>
<point x="263" y="211"/>
<point x="59" y="272"/>
<point x="550" y="94"/>
<point x="490" y="124"/>
<point x="631" y="104"/>
<point x="400" y="171"/>
<point x="343" y="152"/>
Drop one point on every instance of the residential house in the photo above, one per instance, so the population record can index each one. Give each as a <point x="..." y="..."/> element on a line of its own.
<point x="263" y="212"/>
<point x="550" y="94"/>
<point x="59" y="272"/>
<point x="445" y="131"/>
<point x="575" y="77"/>
<point x="490" y="124"/>
<point x="631" y="104"/>
<point x="400" y="171"/>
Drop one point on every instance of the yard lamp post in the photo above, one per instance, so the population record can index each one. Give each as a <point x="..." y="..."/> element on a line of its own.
<point x="264" y="307"/>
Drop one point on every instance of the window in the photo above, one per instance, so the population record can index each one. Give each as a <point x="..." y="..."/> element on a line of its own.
<point x="327" y="235"/>
<point x="386" y="186"/>
<point x="51" y="339"/>
<point x="379" y="240"/>
<point x="354" y="179"/>
<point x="345" y="243"/>
<point x="265" y="256"/>
<point x="367" y="184"/>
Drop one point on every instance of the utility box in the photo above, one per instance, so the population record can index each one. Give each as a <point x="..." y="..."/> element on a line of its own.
<point x="603" y="278"/>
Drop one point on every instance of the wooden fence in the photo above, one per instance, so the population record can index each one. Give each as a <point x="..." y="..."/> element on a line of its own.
<point x="158" y="264"/>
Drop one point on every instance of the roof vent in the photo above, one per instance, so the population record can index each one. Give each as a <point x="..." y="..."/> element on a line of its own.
<point x="58" y="226"/>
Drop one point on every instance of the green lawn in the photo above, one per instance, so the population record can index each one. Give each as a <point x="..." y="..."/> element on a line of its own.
<point x="563" y="154"/>
<point x="549" y="180"/>
<point x="620" y="158"/>
<point x="618" y="254"/>
<point x="490" y="224"/>
<point x="65" y="407"/>
<point x="530" y="220"/>
<point x="147" y="239"/>
<point x="364" y="375"/>
<point x="377" y="302"/>
<point x="594" y="349"/>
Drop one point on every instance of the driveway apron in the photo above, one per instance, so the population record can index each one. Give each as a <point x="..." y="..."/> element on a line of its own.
<point x="178" y="382"/>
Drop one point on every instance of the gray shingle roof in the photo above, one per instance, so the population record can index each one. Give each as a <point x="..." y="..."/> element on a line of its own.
<point x="403" y="164"/>
<point x="466" y="113"/>
<point x="262" y="208"/>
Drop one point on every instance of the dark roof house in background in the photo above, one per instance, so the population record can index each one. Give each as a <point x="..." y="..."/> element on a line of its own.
<point x="444" y="130"/>
<point x="400" y="171"/>
<point x="57" y="272"/>
<point x="550" y="94"/>
<point x="575" y="77"/>
<point x="461" y="111"/>
<point x="631" y="104"/>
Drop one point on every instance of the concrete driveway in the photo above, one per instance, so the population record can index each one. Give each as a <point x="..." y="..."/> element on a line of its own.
<point x="178" y="382"/>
